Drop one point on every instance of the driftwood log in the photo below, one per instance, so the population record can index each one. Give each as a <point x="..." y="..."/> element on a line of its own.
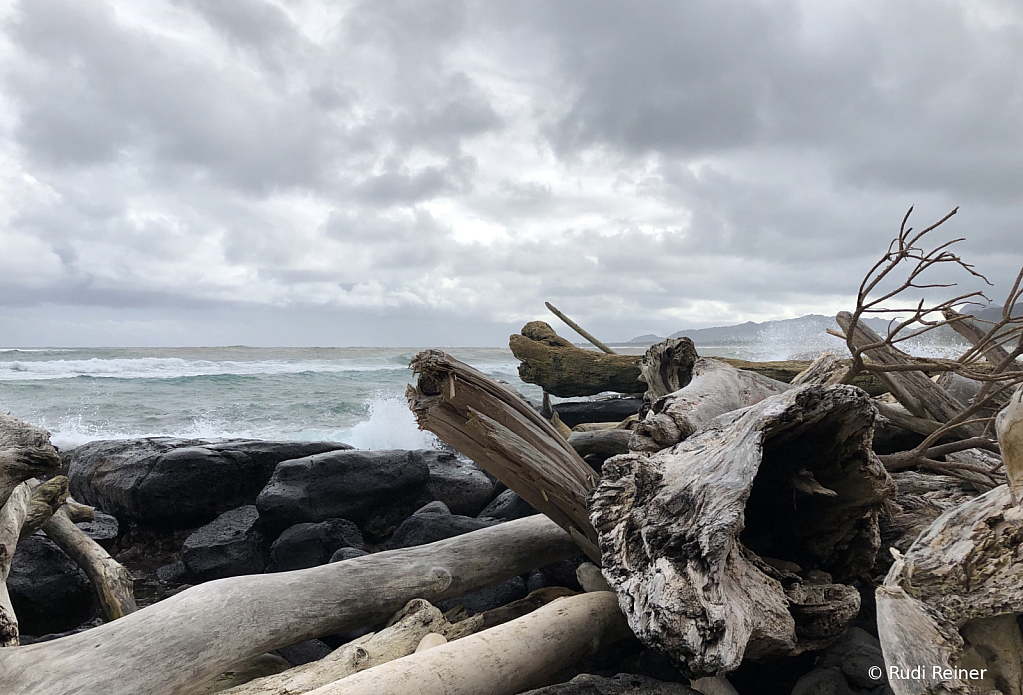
<point x="503" y="660"/>
<point x="47" y="498"/>
<point x="113" y="583"/>
<point x="714" y="389"/>
<point x="951" y="602"/>
<point x="25" y="452"/>
<point x="12" y="517"/>
<point x="994" y="353"/>
<point x="666" y="367"/>
<point x="597" y="446"/>
<point x="500" y="431"/>
<point x="742" y="541"/>
<point x="913" y="389"/>
<point x="179" y="643"/>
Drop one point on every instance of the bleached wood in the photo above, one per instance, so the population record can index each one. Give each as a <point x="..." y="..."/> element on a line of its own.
<point x="46" y="499"/>
<point x="25" y="452"/>
<point x="666" y="367"/>
<point x="715" y="388"/>
<point x="504" y="660"/>
<point x="12" y="517"/>
<point x="497" y="428"/>
<point x="173" y="645"/>
<point x="696" y="538"/>
<point x="113" y="583"/>
<point x="966" y="327"/>
<point x="1009" y="425"/>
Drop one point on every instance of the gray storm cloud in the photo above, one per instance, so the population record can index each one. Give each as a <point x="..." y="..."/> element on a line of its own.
<point x="294" y="172"/>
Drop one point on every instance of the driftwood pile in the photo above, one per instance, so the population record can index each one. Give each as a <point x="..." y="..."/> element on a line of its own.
<point x="736" y="518"/>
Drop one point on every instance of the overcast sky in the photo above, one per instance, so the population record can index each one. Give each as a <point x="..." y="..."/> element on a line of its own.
<point x="286" y="172"/>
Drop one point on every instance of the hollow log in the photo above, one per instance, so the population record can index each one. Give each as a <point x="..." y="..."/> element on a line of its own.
<point x="913" y="389"/>
<point x="741" y="541"/>
<point x="12" y="517"/>
<point x="952" y="600"/>
<point x="46" y="499"/>
<point x="504" y="660"/>
<point x="178" y="643"/>
<point x="563" y="369"/>
<point x="497" y="428"/>
<point x="716" y="388"/>
<point x="113" y="583"/>
<point x="666" y="367"/>
<point x="25" y="452"/>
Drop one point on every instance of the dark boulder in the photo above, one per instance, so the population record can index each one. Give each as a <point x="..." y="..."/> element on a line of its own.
<point x="228" y="546"/>
<point x="355" y="485"/>
<point x="573" y="413"/>
<point x="308" y="545"/>
<point x="622" y="684"/>
<point x="304" y="652"/>
<point x="48" y="591"/>
<point x="342" y="554"/>
<point x="178" y="483"/>
<point x="483" y="600"/>
<point x="457" y="482"/>
<point x="104" y="529"/>
<point x="508" y="506"/>
<point x="844" y="668"/>
<point x="434" y="522"/>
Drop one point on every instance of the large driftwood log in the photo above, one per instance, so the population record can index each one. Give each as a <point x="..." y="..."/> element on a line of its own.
<point x="913" y="389"/>
<point x="666" y="367"/>
<point x="715" y="388"/>
<point x="597" y="446"/>
<point x="12" y="517"/>
<point x="25" y="452"/>
<point x="740" y="542"/>
<point x="178" y="643"/>
<point x="563" y="369"/>
<point x="504" y="660"/>
<point x="994" y="353"/>
<point x="497" y="428"/>
<point x="47" y="498"/>
<point x="951" y="601"/>
<point x="114" y="585"/>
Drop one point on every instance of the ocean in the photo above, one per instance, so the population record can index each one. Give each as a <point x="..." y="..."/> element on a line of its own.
<point x="353" y="395"/>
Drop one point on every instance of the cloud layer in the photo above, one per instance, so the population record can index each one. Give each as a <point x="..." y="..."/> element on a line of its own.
<point x="380" y="172"/>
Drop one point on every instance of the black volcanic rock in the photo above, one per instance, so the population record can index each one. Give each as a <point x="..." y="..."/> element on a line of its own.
<point x="434" y="522"/>
<point x="48" y="591"/>
<point x="308" y="545"/>
<point x="178" y="483"/>
<point x="230" y="545"/>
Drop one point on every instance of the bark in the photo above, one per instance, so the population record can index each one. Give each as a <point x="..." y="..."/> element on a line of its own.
<point x="504" y="660"/>
<point x="46" y="499"/>
<point x="563" y="369"/>
<point x="12" y="516"/>
<point x="716" y="388"/>
<point x="913" y="389"/>
<point x="113" y="583"/>
<point x="497" y="428"/>
<point x="741" y="541"/>
<point x="666" y="367"/>
<point x="25" y="452"/>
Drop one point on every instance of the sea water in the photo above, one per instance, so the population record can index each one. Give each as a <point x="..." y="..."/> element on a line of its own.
<point x="353" y="395"/>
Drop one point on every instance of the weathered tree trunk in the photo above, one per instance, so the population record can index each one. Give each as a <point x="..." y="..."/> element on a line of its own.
<point x="718" y="546"/>
<point x="25" y="452"/>
<point x="497" y="428"/>
<point x="114" y="585"/>
<point x="826" y="369"/>
<point x="46" y="499"/>
<point x="597" y="446"/>
<point x="178" y="643"/>
<point x="12" y="517"/>
<point x="995" y="354"/>
<point x="951" y="601"/>
<point x="503" y="660"/>
<point x="666" y="367"/>
<point x="913" y="389"/>
<point x="563" y="369"/>
<point x="716" y="388"/>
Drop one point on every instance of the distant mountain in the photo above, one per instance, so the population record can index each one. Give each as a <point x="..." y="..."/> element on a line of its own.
<point x="750" y="332"/>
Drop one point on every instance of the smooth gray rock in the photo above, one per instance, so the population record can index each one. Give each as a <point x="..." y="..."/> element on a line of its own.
<point x="434" y="522"/>
<point x="178" y="483"/>
<point x="48" y="591"/>
<point x="228" y="546"/>
<point x="309" y="545"/>
<point x="489" y="598"/>
<point x="844" y="668"/>
<point x="342" y="554"/>
<point x="173" y="573"/>
<point x="354" y="485"/>
<point x="508" y="506"/>
<point x="458" y="482"/>
<point x="304" y="652"/>
<point x="622" y="684"/>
